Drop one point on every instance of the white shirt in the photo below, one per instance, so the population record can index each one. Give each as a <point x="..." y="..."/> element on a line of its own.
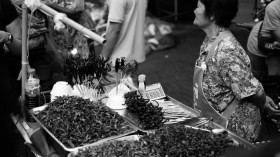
<point x="131" y="13"/>
<point x="272" y="18"/>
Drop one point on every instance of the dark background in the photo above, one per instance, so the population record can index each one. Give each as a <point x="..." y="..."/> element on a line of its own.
<point x="185" y="8"/>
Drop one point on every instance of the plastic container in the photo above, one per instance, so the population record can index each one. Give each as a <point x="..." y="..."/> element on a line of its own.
<point x="32" y="92"/>
<point x="60" y="88"/>
<point x="142" y="86"/>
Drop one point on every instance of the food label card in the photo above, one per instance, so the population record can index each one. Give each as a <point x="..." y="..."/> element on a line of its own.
<point x="155" y="91"/>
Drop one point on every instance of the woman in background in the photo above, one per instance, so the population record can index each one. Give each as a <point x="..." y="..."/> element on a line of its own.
<point x="264" y="51"/>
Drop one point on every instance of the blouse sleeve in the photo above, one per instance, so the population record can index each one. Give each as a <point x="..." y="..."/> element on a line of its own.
<point x="234" y="69"/>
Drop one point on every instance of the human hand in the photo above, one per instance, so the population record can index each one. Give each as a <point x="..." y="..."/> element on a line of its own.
<point x="271" y="108"/>
<point x="105" y="59"/>
<point x="276" y="45"/>
<point x="4" y="36"/>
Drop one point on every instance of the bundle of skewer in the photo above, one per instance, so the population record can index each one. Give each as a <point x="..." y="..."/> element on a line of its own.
<point x="87" y="88"/>
<point x="174" y="113"/>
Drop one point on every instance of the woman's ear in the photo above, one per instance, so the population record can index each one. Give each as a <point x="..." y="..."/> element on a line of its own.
<point x="212" y="18"/>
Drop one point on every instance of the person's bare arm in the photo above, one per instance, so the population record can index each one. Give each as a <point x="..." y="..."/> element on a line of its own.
<point x="265" y="103"/>
<point x="271" y="21"/>
<point x="15" y="29"/>
<point x="112" y="35"/>
<point x="276" y="34"/>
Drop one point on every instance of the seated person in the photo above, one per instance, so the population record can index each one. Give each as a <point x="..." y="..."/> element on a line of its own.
<point x="264" y="53"/>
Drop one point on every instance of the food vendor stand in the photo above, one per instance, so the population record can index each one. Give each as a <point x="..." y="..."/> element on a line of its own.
<point x="169" y="105"/>
<point x="58" y="19"/>
<point x="50" y="143"/>
<point x="191" y="121"/>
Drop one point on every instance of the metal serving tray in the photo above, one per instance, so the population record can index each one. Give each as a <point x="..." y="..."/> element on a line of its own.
<point x="240" y="140"/>
<point x="137" y="137"/>
<point x="193" y="116"/>
<point x="59" y="146"/>
<point x="189" y="114"/>
<point x="127" y="138"/>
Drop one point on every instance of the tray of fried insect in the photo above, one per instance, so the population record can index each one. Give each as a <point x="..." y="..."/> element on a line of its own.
<point x="199" y="122"/>
<point x="73" y="123"/>
<point x="194" y="120"/>
<point x="171" y="140"/>
<point x="210" y="125"/>
<point x="147" y="116"/>
<point x="174" y="113"/>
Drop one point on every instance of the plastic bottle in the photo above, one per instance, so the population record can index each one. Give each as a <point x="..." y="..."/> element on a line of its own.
<point x="32" y="92"/>
<point x="142" y="86"/>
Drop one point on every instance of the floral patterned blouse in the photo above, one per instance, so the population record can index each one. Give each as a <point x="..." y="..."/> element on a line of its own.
<point x="227" y="76"/>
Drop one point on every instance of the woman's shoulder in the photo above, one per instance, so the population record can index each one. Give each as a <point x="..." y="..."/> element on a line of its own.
<point x="230" y="45"/>
<point x="229" y="48"/>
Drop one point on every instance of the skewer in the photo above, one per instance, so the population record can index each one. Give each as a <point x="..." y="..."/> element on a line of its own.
<point x="98" y="82"/>
<point x="79" y="89"/>
<point x="122" y="66"/>
<point x="196" y="128"/>
<point x="83" y="90"/>
<point x="97" y="94"/>
<point x="117" y="66"/>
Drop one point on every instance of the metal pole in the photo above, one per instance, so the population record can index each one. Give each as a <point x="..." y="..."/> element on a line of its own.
<point x="24" y="61"/>
<point x="46" y="9"/>
<point x="176" y="9"/>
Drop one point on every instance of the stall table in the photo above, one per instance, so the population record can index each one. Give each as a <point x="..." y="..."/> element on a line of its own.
<point x="21" y="125"/>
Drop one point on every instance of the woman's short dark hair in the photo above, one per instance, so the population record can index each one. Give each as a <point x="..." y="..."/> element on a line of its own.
<point x="222" y="10"/>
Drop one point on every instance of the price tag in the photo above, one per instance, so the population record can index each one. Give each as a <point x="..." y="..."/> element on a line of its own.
<point x="155" y="91"/>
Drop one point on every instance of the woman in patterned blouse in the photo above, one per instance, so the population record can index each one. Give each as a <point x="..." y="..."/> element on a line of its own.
<point x="224" y="87"/>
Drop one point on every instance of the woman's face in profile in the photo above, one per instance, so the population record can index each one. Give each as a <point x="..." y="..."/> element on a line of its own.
<point x="200" y="19"/>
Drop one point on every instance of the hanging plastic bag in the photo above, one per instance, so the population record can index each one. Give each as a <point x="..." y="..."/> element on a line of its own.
<point x="37" y="27"/>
